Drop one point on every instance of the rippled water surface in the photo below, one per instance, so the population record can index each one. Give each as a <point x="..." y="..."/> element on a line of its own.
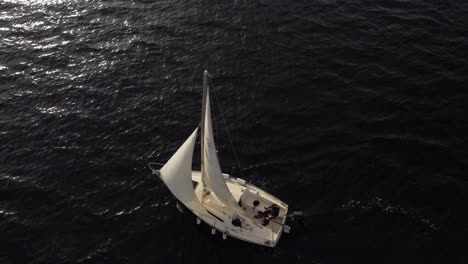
<point x="353" y="112"/>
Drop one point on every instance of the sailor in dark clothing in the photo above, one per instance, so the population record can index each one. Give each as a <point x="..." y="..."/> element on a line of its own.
<point x="274" y="209"/>
<point x="261" y="214"/>
<point x="271" y="211"/>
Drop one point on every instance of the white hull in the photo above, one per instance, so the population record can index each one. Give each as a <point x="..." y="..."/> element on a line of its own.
<point x="265" y="235"/>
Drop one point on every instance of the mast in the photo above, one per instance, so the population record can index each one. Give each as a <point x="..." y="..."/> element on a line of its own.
<point x="202" y="126"/>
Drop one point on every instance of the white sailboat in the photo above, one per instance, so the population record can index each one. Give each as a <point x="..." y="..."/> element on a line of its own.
<point x="230" y="205"/>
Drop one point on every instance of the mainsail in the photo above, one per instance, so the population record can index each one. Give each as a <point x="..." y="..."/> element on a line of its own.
<point x="177" y="175"/>
<point x="212" y="177"/>
<point x="211" y="174"/>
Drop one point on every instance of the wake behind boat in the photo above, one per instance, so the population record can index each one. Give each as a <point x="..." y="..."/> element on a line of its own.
<point x="229" y="205"/>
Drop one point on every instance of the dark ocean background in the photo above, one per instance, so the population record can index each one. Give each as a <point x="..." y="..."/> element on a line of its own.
<point x="351" y="111"/>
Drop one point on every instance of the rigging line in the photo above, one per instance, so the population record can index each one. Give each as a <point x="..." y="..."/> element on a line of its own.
<point x="227" y="130"/>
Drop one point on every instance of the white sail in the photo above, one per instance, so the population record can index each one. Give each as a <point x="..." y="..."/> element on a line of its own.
<point x="211" y="174"/>
<point x="177" y="175"/>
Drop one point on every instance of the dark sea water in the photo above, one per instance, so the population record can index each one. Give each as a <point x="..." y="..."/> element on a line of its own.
<point x="351" y="111"/>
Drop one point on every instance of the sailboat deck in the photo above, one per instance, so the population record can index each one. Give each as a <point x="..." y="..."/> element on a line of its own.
<point x="245" y="194"/>
<point x="252" y="211"/>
